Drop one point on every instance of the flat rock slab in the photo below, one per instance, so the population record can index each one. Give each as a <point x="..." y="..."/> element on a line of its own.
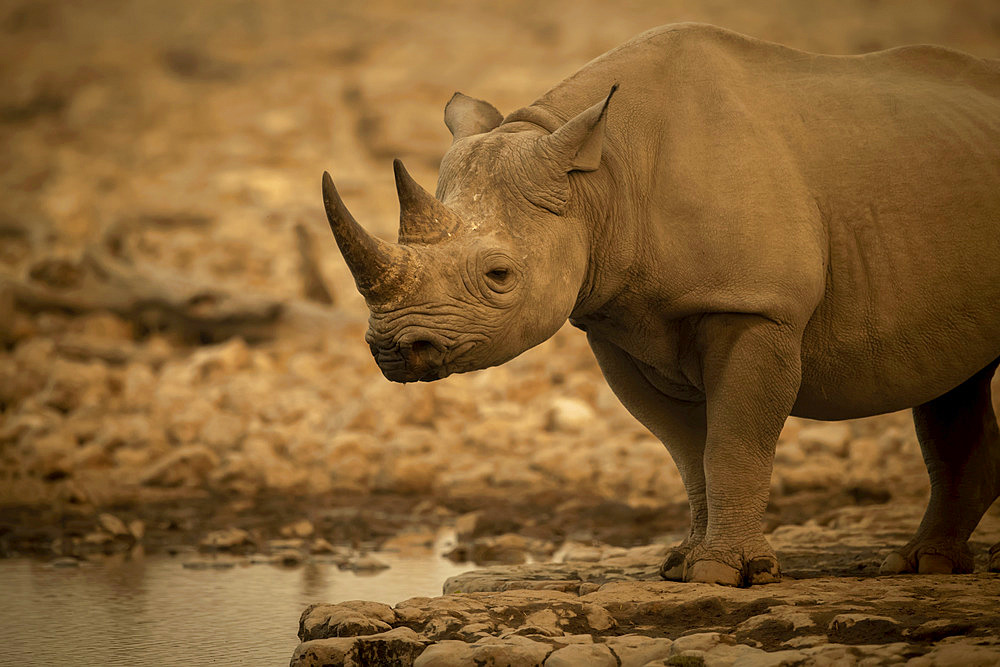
<point x="617" y="611"/>
<point x="929" y="620"/>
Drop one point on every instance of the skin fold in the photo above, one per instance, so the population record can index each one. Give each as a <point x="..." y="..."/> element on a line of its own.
<point x="745" y="232"/>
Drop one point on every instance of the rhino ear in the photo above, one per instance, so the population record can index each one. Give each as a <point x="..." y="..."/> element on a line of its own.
<point x="466" y="116"/>
<point x="580" y="142"/>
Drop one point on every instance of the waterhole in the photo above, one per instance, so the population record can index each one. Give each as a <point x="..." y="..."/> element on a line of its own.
<point x="154" y="611"/>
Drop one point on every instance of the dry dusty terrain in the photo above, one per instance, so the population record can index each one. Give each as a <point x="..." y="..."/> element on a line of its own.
<point x="182" y="348"/>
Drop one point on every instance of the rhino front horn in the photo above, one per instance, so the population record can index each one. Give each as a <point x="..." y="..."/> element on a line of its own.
<point x="377" y="266"/>
<point x="422" y="218"/>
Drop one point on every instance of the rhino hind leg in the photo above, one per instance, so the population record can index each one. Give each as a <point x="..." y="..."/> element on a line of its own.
<point x="960" y="441"/>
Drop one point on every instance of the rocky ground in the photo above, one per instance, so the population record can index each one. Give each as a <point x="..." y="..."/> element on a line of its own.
<point x="608" y="606"/>
<point x="615" y="611"/>
<point x="182" y="364"/>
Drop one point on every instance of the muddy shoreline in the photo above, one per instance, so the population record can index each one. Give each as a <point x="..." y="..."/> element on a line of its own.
<point x="488" y="530"/>
<point x="553" y="517"/>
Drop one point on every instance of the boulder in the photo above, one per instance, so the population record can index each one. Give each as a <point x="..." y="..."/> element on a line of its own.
<point x="346" y="619"/>
<point x="399" y="646"/>
<point x="510" y="548"/>
<point x="959" y="654"/>
<point x="864" y="629"/>
<point x="511" y="651"/>
<point x="597" y="655"/>
<point x="637" y="650"/>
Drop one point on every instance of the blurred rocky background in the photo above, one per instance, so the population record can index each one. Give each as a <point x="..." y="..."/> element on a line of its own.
<point x="182" y="347"/>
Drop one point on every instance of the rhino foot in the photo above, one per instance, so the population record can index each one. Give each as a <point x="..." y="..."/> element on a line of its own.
<point x="922" y="558"/>
<point x="994" y="565"/>
<point x="672" y="568"/>
<point x="732" y="567"/>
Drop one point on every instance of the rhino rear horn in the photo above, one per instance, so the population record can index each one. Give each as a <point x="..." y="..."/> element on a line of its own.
<point x="579" y="143"/>
<point x="378" y="267"/>
<point x="466" y="116"/>
<point x="422" y="218"/>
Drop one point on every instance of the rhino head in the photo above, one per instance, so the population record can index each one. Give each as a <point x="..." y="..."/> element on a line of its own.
<point x="490" y="266"/>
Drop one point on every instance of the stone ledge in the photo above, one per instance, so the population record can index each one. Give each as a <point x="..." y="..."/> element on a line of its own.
<point x="810" y="621"/>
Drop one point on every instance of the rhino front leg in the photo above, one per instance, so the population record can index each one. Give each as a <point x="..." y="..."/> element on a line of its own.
<point x="960" y="442"/>
<point x="751" y="370"/>
<point x="679" y="425"/>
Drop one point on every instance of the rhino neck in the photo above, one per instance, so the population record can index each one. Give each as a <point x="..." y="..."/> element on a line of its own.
<point x="600" y="201"/>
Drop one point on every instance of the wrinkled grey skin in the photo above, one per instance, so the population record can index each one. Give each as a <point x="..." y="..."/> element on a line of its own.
<point x="744" y="231"/>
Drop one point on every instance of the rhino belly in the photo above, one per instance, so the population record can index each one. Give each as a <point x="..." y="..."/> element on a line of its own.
<point x="866" y="394"/>
<point x="861" y="365"/>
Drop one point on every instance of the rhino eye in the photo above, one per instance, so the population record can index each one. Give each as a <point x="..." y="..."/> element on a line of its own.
<point x="498" y="275"/>
<point x="500" y="280"/>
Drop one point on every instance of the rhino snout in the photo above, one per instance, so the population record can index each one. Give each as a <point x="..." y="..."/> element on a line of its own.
<point x="415" y="356"/>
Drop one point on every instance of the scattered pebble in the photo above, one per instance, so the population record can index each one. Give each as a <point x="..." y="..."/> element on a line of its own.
<point x="365" y="563"/>
<point x="300" y="529"/>
<point x="227" y="539"/>
<point x="113" y="525"/>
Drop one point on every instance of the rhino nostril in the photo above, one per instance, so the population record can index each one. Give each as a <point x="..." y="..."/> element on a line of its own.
<point x="421" y="348"/>
<point x="419" y="353"/>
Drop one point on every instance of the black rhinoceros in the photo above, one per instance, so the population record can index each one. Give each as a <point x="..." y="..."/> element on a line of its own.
<point x="745" y="231"/>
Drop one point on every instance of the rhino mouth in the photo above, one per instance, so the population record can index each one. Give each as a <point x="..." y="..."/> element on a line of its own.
<point x="398" y="371"/>
<point x="419" y="362"/>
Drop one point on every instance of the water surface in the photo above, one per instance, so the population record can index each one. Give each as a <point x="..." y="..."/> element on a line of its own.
<point x="154" y="611"/>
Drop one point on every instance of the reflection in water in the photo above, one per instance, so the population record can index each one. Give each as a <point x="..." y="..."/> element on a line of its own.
<point x="153" y="611"/>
